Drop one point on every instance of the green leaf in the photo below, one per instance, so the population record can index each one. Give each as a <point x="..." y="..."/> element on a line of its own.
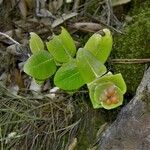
<point x="96" y="104"/>
<point x="97" y="90"/>
<point x="68" y="41"/>
<point x="100" y="95"/>
<point x="100" y="46"/>
<point x="62" y="47"/>
<point x="40" y="82"/>
<point x="117" y="79"/>
<point x="89" y="67"/>
<point x="40" y="66"/>
<point x="68" y="77"/>
<point x="35" y="43"/>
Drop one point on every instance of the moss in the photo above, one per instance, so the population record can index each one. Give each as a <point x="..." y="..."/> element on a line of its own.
<point x="134" y="43"/>
<point x="139" y="5"/>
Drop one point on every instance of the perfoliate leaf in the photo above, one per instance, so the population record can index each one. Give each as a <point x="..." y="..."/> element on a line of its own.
<point x="106" y="99"/>
<point x="96" y="104"/>
<point x="107" y="91"/>
<point x="89" y="67"/>
<point x="40" y="65"/>
<point x="116" y="79"/>
<point x="62" y="47"/>
<point x="100" y="45"/>
<point x="68" y="77"/>
<point x="35" y="43"/>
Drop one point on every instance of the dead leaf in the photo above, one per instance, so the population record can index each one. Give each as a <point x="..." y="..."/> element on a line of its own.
<point x="45" y="13"/>
<point x="119" y="2"/>
<point x="13" y="89"/>
<point x="18" y="79"/>
<point x="55" y="5"/>
<point x="30" y="3"/>
<point x="68" y="1"/>
<point x="12" y="49"/>
<point x="87" y="26"/>
<point x="35" y="87"/>
<point x="3" y="78"/>
<point x="46" y="86"/>
<point x="23" y="8"/>
<point x="1" y="1"/>
<point x="73" y="144"/>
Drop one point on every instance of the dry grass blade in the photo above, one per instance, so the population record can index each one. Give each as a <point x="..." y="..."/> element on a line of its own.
<point x="119" y="2"/>
<point x="7" y="36"/>
<point x="38" y="122"/>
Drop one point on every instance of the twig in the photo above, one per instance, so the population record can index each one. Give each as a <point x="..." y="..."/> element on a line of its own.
<point x="3" y="34"/>
<point x="109" y="11"/>
<point x="130" y="61"/>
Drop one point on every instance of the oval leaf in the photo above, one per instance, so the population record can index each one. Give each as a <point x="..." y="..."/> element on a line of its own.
<point x="89" y="67"/>
<point x="40" y="66"/>
<point x="36" y="44"/>
<point x="68" y="41"/>
<point x="100" y="46"/>
<point x="62" y="47"/>
<point x="68" y="77"/>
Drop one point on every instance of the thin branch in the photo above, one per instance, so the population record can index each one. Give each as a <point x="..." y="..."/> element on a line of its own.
<point x="130" y="61"/>
<point x="7" y="36"/>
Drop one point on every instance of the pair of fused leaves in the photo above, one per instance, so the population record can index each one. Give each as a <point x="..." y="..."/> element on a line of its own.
<point x="105" y="91"/>
<point x="98" y="90"/>
<point x="62" y="47"/>
<point x="100" y="45"/>
<point x="42" y="64"/>
<point x="91" y="59"/>
<point x="89" y="63"/>
<point x="84" y="69"/>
